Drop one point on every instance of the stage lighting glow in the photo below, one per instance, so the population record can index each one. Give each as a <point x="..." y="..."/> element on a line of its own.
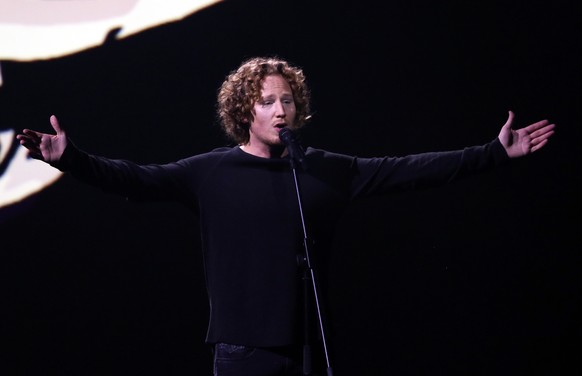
<point x="44" y="29"/>
<point x="47" y="29"/>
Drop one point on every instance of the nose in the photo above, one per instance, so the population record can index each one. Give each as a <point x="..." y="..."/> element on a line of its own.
<point x="279" y="109"/>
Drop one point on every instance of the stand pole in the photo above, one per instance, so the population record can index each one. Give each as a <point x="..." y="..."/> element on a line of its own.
<point x="310" y="274"/>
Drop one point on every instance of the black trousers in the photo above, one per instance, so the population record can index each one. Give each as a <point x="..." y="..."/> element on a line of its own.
<point x="238" y="360"/>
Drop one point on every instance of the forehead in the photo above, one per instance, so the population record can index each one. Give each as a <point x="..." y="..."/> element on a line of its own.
<point x="275" y="83"/>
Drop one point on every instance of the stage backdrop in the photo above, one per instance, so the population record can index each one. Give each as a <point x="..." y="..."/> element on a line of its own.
<point x="481" y="277"/>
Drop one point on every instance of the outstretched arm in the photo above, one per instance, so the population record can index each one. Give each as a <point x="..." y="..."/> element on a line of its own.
<point x="526" y="140"/>
<point x="43" y="146"/>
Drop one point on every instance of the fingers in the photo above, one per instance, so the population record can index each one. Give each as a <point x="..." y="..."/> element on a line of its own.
<point x="539" y="145"/>
<point x="541" y="135"/>
<point x="29" y="136"/>
<point x="540" y="124"/>
<point x="541" y="130"/>
<point x="30" y="140"/>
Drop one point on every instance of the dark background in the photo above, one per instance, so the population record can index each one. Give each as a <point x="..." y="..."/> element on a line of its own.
<point x="480" y="277"/>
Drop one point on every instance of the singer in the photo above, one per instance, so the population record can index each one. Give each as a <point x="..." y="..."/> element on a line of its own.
<point x="254" y="275"/>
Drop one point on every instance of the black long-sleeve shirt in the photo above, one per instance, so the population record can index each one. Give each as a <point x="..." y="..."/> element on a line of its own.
<point x="250" y="220"/>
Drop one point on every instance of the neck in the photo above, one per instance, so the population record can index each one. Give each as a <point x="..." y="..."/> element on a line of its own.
<point x="273" y="151"/>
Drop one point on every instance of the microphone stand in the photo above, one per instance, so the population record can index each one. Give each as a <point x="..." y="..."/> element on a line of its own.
<point x="309" y="274"/>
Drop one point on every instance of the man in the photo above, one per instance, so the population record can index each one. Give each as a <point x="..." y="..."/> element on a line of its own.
<point x="247" y="201"/>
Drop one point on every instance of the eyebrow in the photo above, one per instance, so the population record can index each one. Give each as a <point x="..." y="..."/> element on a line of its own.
<point x="271" y="96"/>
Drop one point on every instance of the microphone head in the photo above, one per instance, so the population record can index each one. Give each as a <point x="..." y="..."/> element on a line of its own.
<point x="287" y="136"/>
<point x="296" y="152"/>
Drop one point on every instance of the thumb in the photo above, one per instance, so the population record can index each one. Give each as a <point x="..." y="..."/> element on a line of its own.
<point x="509" y="121"/>
<point x="56" y="126"/>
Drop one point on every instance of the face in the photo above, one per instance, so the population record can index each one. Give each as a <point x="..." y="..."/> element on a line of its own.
<point x="275" y="110"/>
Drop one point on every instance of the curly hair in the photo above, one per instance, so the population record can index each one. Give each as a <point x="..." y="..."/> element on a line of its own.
<point x="242" y="89"/>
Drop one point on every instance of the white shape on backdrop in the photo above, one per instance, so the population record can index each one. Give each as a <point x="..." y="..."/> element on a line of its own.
<point x="47" y="29"/>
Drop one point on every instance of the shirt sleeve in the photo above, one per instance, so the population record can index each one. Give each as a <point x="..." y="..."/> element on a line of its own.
<point x="384" y="174"/>
<point x="152" y="182"/>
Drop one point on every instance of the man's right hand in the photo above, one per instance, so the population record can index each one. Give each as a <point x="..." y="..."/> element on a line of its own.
<point x="43" y="146"/>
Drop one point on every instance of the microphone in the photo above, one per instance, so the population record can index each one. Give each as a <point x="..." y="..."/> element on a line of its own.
<point x="296" y="152"/>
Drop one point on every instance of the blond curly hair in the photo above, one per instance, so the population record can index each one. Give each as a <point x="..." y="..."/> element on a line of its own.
<point x="242" y="89"/>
